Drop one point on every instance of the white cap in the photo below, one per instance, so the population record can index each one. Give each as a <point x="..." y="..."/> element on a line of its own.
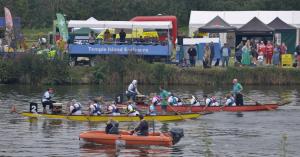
<point x="134" y="82"/>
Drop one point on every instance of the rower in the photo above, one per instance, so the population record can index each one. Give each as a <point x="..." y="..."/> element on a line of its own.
<point x="152" y="110"/>
<point x="132" y="90"/>
<point x="112" y="127"/>
<point x="210" y="101"/>
<point x="214" y="101"/>
<point x="156" y="100"/>
<point x="131" y="110"/>
<point x="171" y="100"/>
<point x="207" y="100"/>
<point x="75" y="108"/>
<point x="143" y="128"/>
<point x="230" y="100"/>
<point x="113" y="110"/>
<point x="46" y="99"/>
<point x="194" y="101"/>
<point x="95" y="108"/>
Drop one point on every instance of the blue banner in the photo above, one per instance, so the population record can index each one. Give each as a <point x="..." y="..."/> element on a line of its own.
<point x="106" y="49"/>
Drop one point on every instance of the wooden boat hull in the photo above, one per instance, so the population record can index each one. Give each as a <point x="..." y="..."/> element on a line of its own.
<point x="120" y="118"/>
<point x="196" y="109"/>
<point x="100" y="137"/>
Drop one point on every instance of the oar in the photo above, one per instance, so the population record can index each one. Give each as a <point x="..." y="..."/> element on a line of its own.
<point x="176" y="112"/>
<point x="269" y="108"/>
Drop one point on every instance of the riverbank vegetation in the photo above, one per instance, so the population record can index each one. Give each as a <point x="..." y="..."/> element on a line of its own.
<point x="117" y="70"/>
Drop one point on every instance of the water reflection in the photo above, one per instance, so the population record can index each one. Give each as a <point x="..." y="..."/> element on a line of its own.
<point x="88" y="149"/>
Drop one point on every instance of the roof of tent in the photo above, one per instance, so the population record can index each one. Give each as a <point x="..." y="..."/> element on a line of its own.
<point x="217" y="24"/>
<point x="91" y="19"/>
<point x="278" y="24"/>
<point x="239" y="18"/>
<point x="255" y="26"/>
<point x="121" y="24"/>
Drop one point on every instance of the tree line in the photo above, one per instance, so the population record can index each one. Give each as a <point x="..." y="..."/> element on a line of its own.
<point x="41" y="13"/>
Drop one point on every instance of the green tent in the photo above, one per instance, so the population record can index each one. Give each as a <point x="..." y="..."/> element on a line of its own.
<point x="288" y="33"/>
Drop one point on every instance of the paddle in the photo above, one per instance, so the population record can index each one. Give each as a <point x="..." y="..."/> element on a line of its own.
<point x="176" y="112"/>
<point x="257" y="103"/>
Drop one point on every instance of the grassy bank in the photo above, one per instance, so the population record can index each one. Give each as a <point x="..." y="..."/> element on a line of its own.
<point x="116" y="70"/>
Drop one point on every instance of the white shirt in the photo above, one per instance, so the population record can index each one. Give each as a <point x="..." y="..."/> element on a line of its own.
<point x="76" y="105"/>
<point x="46" y="96"/>
<point x="154" y="99"/>
<point x="260" y="58"/>
<point x="228" y="101"/>
<point x="207" y="101"/>
<point x="130" y="108"/>
<point x="131" y="88"/>
<point x="93" y="108"/>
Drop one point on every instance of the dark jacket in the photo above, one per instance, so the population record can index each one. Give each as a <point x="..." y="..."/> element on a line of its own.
<point x="192" y="52"/>
<point x="229" y="51"/>
<point x="143" y="128"/>
<point x="212" y="51"/>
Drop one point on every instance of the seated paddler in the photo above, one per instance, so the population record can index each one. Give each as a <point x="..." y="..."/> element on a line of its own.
<point x="143" y="128"/>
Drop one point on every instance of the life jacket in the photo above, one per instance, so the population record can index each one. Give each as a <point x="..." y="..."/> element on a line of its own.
<point x="130" y="111"/>
<point x="210" y="101"/>
<point x="45" y="98"/>
<point x="131" y="88"/>
<point x="76" y="107"/>
<point x="231" y="101"/>
<point x="155" y="100"/>
<point x="152" y="109"/>
<point x="113" y="109"/>
<point x="97" y="108"/>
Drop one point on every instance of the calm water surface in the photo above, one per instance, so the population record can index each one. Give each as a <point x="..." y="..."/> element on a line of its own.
<point x="268" y="133"/>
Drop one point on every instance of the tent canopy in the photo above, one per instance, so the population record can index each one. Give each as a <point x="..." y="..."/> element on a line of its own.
<point x="217" y="25"/>
<point x="278" y="24"/>
<point x="255" y="26"/>
<point x="120" y="24"/>
<point x="83" y="30"/>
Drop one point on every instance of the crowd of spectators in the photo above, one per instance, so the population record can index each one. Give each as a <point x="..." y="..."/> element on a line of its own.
<point x="247" y="53"/>
<point x="258" y="53"/>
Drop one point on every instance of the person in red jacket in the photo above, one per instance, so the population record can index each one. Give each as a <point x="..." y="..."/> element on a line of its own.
<point x="262" y="48"/>
<point x="269" y="51"/>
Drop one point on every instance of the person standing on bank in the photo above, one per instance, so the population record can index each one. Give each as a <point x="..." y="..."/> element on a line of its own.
<point x="225" y="52"/>
<point x="237" y="89"/>
<point x="192" y="55"/>
<point x="46" y="99"/>
<point x="122" y="35"/>
<point x="132" y="91"/>
<point x="212" y="52"/>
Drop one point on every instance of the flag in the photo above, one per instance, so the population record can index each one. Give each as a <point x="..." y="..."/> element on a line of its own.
<point x="62" y="26"/>
<point x="8" y="19"/>
<point x="9" y="27"/>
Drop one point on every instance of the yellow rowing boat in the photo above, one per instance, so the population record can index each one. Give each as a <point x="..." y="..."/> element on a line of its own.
<point x="105" y="118"/>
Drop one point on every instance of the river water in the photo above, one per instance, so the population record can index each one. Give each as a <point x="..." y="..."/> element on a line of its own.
<point x="249" y="134"/>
